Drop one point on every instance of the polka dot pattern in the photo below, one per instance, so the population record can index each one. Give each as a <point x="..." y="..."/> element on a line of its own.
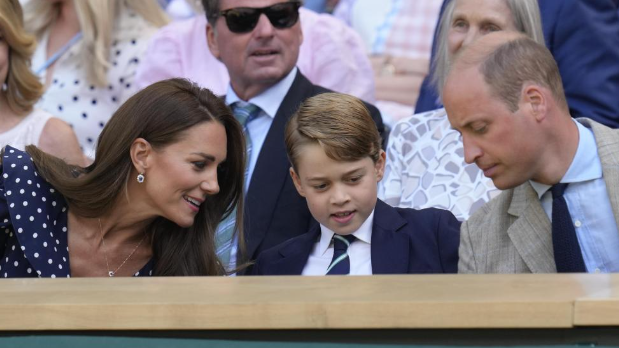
<point x="38" y="214"/>
<point x="75" y="99"/>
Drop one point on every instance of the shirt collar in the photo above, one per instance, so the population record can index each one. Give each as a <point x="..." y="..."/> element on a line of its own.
<point x="364" y="233"/>
<point x="585" y="165"/>
<point x="269" y="100"/>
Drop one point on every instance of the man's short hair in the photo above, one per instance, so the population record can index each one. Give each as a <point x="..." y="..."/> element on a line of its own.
<point x="339" y="123"/>
<point x="507" y="65"/>
<point x="513" y="64"/>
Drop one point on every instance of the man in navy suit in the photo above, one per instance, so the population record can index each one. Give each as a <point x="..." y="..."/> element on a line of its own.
<point x="583" y="37"/>
<point x="258" y="42"/>
<point x="337" y="161"/>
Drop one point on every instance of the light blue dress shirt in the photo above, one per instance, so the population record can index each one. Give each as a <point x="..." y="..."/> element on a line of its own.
<point x="589" y="205"/>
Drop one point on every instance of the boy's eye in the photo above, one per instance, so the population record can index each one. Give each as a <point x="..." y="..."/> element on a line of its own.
<point x="320" y="186"/>
<point x="355" y="179"/>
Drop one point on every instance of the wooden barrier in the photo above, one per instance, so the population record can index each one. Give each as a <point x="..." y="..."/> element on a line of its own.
<point x="435" y="303"/>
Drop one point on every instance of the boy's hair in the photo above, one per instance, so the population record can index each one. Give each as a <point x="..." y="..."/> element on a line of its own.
<point x="339" y="123"/>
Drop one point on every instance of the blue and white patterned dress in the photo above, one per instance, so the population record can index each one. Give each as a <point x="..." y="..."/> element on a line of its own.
<point x="33" y="222"/>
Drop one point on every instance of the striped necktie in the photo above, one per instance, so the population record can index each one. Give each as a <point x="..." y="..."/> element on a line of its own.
<point x="244" y="113"/>
<point x="340" y="264"/>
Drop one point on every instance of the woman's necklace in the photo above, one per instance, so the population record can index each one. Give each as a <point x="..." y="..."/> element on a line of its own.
<point x="109" y="272"/>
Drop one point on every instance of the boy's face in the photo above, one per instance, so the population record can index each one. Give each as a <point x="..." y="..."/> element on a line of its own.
<point x="340" y="195"/>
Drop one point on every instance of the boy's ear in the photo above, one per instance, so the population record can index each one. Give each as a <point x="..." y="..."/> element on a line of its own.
<point x="141" y="154"/>
<point x="380" y="165"/>
<point x="297" y="182"/>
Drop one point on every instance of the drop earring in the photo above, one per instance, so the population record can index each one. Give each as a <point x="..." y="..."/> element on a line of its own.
<point x="140" y="178"/>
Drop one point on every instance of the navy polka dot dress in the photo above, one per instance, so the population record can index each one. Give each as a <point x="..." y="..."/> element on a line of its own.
<point x="33" y="222"/>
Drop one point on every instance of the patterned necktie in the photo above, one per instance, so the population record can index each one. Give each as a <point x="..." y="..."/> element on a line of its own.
<point x="340" y="264"/>
<point x="568" y="256"/>
<point x="244" y="113"/>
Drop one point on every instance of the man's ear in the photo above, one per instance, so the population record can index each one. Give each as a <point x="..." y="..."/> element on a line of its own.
<point x="534" y="100"/>
<point x="141" y="154"/>
<point x="211" y="39"/>
<point x="379" y="166"/>
<point x="297" y="182"/>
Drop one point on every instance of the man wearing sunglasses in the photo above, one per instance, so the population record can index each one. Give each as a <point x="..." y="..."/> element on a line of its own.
<point x="258" y="41"/>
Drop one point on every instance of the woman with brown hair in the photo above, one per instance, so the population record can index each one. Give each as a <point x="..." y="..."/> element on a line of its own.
<point x="169" y="165"/>
<point x="20" y="123"/>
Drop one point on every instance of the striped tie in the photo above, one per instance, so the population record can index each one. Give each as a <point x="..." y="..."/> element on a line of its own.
<point x="244" y="113"/>
<point x="340" y="264"/>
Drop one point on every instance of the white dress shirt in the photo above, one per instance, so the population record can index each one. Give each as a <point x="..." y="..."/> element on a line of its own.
<point x="359" y="251"/>
<point x="589" y="206"/>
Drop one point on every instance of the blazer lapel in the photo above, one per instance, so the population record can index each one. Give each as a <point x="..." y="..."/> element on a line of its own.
<point x="530" y="233"/>
<point x="294" y="255"/>
<point x="271" y="169"/>
<point x="390" y="249"/>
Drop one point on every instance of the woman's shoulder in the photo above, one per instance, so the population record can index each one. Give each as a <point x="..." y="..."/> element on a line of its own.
<point x="18" y="169"/>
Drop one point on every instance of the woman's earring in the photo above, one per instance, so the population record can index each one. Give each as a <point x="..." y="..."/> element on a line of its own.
<point x="140" y="178"/>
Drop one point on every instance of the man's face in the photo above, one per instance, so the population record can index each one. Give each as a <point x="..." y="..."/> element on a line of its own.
<point x="258" y="59"/>
<point x="504" y="144"/>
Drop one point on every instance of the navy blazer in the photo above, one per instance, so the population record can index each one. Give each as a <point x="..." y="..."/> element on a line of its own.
<point x="583" y="36"/>
<point x="404" y="241"/>
<point x="274" y="211"/>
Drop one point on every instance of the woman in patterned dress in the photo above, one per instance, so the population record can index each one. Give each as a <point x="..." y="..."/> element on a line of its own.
<point x="169" y="165"/>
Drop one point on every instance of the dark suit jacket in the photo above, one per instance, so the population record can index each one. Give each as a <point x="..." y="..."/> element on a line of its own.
<point x="403" y="241"/>
<point x="583" y="36"/>
<point x="274" y="211"/>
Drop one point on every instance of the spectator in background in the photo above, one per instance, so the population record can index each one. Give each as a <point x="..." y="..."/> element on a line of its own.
<point x="583" y="36"/>
<point x="398" y="38"/>
<point x="20" y="124"/>
<point x="266" y="88"/>
<point x="87" y="56"/>
<point x="331" y="55"/>
<point x="425" y="161"/>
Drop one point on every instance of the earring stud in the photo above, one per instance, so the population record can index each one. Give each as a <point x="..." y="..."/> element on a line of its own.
<point x="140" y="178"/>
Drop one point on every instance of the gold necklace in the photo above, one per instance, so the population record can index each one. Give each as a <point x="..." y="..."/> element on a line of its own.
<point x="113" y="273"/>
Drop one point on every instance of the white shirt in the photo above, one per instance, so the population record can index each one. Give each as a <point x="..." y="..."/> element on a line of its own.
<point x="359" y="251"/>
<point x="269" y="102"/>
<point x="589" y="206"/>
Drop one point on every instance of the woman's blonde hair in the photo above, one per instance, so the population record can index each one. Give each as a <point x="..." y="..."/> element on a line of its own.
<point x="97" y="20"/>
<point x="23" y="88"/>
<point x="527" y="20"/>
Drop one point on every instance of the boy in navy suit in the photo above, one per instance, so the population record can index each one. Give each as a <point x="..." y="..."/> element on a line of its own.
<point x="337" y="161"/>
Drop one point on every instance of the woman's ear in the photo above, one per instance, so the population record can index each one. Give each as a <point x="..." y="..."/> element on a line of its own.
<point x="141" y="154"/>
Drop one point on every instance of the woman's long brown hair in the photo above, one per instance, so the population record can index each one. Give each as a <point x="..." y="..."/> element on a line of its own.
<point x="160" y="114"/>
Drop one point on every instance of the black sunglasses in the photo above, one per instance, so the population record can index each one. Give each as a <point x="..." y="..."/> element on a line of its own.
<point x="244" y="19"/>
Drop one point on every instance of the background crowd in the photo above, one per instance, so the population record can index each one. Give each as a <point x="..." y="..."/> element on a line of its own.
<point x="182" y="137"/>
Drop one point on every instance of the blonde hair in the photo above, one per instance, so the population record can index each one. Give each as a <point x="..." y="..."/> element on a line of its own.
<point x="527" y="20"/>
<point x="97" y="21"/>
<point x="23" y="88"/>
<point x="339" y="123"/>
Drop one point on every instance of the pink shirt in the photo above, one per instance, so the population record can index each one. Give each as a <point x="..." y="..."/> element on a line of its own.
<point x="332" y="56"/>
